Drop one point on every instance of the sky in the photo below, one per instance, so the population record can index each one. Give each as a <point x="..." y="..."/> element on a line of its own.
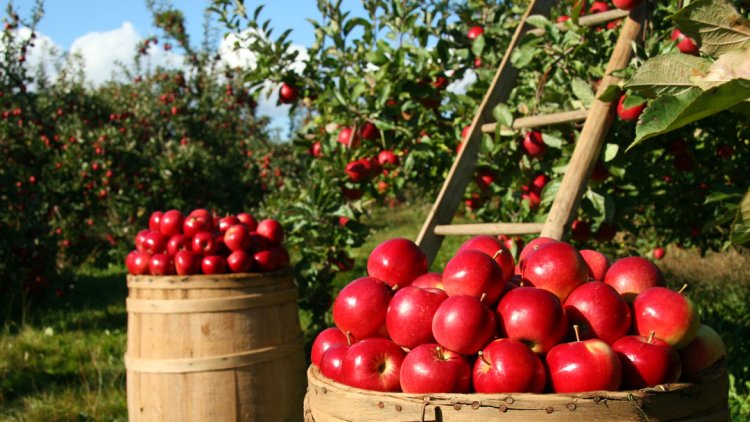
<point x="106" y="31"/>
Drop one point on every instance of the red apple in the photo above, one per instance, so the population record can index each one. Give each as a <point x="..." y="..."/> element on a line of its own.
<point x="463" y="324"/>
<point x="248" y="220"/>
<point x="155" y="243"/>
<point x="557" y="267"/>
<point x="259" y="243"/>
<point x="397" y="262"/>
<point x="282" y="256"/>
<point x="155" y="221"/>
<point x="316" y="150"/>
<point x="627" y="4"/>
<point x="598" y="7"/>
<point x="589" y="365"/>
<point x="387" y="158"/>
<point x="671" y="315"/>
<point x="237" y="238"/>
<point x="187" y="263"/>
<point x="485" y="178"/>
<point x="356" y="171"/>
<point x="361" y="307"/>
<point x="599" y="311"/>
<point x="532" y="316"/>
<point x="659" y="253"/>
<point x="288" y="94"/>
<point x="329" y="337"/>
<point x="349" y="138"/>
<point x="140" y="240"/>
<point x="265" y="261"/>
<point x="629" y="114"/>
<point x="494" y="248"/>
<point x="534" y="246"/>
<point x="171" y="223"/>
<point x="646" y="361"/>
<point x="632" y="275"/>
<point x="138" y="262"/>
<point x="539" y="182"/>
<point x="271" y="230"/>
<point x="596" y="262"/>
<point x="161" y="264"/>
<point x="429" y="281"/>
<point x="533" y="144"/>
<point x="473" y="273"/>
<point x="410" y="313"/>
<point x="474" y="32"/>
<point x="213" y="264"/>
<point x="580" y="230"/>
<point x="431" y="369"/>
<point x="369" y="131"/>
<point x="706" y="349"/>
<point x="685" y="44"/>
<point x="178" y="243"/>
<point x="508" y="366"/>
<point x="239" y="262"/>
<point x="332" y="360"/>
<point x="373" y="364"/>
<point x="197" y="222"/>
<point x="204" y="243"/>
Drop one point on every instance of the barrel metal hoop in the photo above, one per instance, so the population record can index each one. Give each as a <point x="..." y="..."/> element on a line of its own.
<point x="218" y="304"/>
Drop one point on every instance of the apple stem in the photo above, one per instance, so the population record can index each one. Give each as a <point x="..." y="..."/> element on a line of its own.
<point x="684" y="286"/>
<point x="484" y="359"/>
<point x="348" y="338"/>
<point x="578" y="334"/>
<point x="484" y="295"/>
<point x="651" y="337"/>
<point x="498" y="253"/>
<point x="440" y="354"/>
<point x="394" y="288"/>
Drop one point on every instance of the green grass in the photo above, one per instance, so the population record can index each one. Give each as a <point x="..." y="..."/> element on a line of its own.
<point x="66" y="362"/>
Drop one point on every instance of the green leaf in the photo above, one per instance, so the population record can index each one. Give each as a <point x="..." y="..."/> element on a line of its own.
<point x="582" y="90"/>
<point x="538" y="21"/>
<point x="552" y="141"/>
<point x="502" y="115"/>
<point x="669" y="112"/>
<point x="633" y="100"/>
<point x="523" y="55"/>
<point x="741" y="227"/>
<point x="733" y="64"/>
<point x="351" y="23"/>
<point x="610" y="94"/>
<point x="715" y="25"/>
<point x="668" y="74"/>
<point x="477" y="46"/>
<point x="377" y="58"/>
<point x="610" y="152"/>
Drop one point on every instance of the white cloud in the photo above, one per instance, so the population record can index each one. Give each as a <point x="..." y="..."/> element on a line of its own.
<point x="462" y="85"/>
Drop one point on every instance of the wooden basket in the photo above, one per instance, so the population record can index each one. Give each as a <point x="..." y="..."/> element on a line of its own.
<point x="328" y="401"/>
<point x="214" y="348"/>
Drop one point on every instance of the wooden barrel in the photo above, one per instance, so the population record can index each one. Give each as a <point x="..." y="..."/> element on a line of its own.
<point x="328" y="401"/>
<point x="214" y="348"/>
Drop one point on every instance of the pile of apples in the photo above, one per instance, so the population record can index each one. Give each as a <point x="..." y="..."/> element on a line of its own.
<point x="561" y="321"/>
<point x="203" y="243"/>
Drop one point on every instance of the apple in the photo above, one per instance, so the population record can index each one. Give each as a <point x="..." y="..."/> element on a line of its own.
<point x="659" y="253"/>
<point x="387" y="158"/>
<point x="580" y="366"/>
<point x="369" y="131"/>
<point x="155" y="221"/>
<point x="187" y="263"/>
<point x="646" y="361"/>
<point x="533" y="144"/>
<point x="557" y="267"/>
<point x="356" y="171"/>
<point x="316" y="149"/>
<point x="580" y="230"/>
<point x="463" y="324"/>
<point x="155" y="243"/>
<point x="629" y="114"/>
<point x="485" y="178"/>
<point x="259" y="243"/>
<point x="271" y="230"/>
<point x="361" y="307"/>
<point x="213" y="264"/>
<point x="204" y="243"/>
<point x="397" y="262"/>
<point x="332" y="360"/>
<point x="562" y="18"/>
<point x="373" y="364"/>
<point x="599" y="311"/>
<point x="685" y="44"/>
<point x="534" y="246"/>
<point x="349" y="138"/>
<point x="140" y="240"/>
<point x="473" y="273"/>
<point x="409" y="316"/>
<point x="329" y="337"/>
<point x="494" y="248"/>
<point x="706" y="349"/>
<point x="265" y="261"/>
<point x="161" y="264"/>
<point x="632" y="275"/>
<point x="237" y="238"/>
<point x="282" y="256"/>
<point x="627" y="4"/>
<point x="248" y="220"/>
<point x="239" y="261"/>
<point x="671" y="315"/>
<point x="171" y="223"/>
<point x="508" y="366"/>
<point x="474" y="32"/>
<point x="597" y="263"/>
<point x="288" y="94"/>
<point x="138" y="262"/>
<point x="178" y="243"/>
<point x="429" y="281"/>
<point x="429" y="368"/>
<point x="532" y="316"/>
<point x="465" y="133"/>
<point x="598" y="7"/>
<point x="531" y="197"/>
<point x="197" y="222"/>
<point x="539" y="182"/>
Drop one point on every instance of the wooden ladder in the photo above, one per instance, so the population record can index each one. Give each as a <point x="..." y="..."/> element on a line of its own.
<point x="597" y="123"/>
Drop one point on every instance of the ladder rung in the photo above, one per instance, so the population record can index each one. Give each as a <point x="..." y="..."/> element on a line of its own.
<point x="590" y="20"/>
<point x="488" y="228"/>
<point x="542" y="120"/>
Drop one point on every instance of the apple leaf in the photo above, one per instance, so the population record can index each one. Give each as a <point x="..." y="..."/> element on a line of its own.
<point x="741" y="227"/>
<point x="502" y="115"/>
<point x="715" y="25"/>
<point x="610" y="94"/>
<point x="668" y="74"/>
<point x="733" y="64"/>
<point x="582" y="91"/>
<point x="670" y="112"/>
<point x="610" y="152"/>
<point x="538" y="21"/>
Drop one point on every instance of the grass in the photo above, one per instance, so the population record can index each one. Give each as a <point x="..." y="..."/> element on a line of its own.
<point x="66" y="362"/>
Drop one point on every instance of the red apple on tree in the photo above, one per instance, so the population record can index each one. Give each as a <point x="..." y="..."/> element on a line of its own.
<point x="706" y="349"/>
<point x="473" y="273"/>
<point x="533" y="144"/>
<point x="429" y="368"/>
<point x="598" y="7"/>
<point x="629" y="114"/>
<point x="685" y="44"/>
<point x="474" y="32"/>
<point x="599" y="311"/>
<point x="646" y="361"/>
<point x="597" y="263"/>
<point x="397" y="262"/>
<point x="659" y="253"/>
<point x="588" y="365"/>
<point x="288" y="94"/>
<point x="557" y="267"/>
<point x="369" y="131"/>
<point x="329" y="337"/>
<point x="463" y="324"/>
<point x="356" y="171"/>
<point x="532" y="316"/>
<point x="349" y="138"/>
<point x="671" y="315"/>
<point x="410" y="313"/>
<point x="387" y="158"/>
<point x="632" y="275"/>
<point x="373" y="364"/>
<point x="508" y="366"/>
<point x="361" y="307"/>
<point x="626" y="4"/>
